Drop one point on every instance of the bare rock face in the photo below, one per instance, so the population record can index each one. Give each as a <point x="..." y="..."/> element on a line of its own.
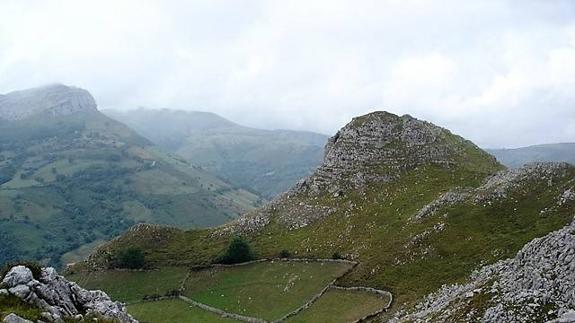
<point x="538" y="285"/>
<point x="60" y="298"/>
<point x="55" y="100"/>
<point x="378" y="146"/>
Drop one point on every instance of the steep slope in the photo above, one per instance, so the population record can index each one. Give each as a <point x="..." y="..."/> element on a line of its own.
<point x="263" y="161"/>
<point x="518" y="157"/>
<point x="535" y="286"/>
<point x="70" y="176"/>
<point x="417" y="206"/>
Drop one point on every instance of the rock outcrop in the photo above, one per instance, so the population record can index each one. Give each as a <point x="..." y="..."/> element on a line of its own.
<point x="537" y="285"/>
<point x="500" y="184"/>
<point x="54" y="100"/>
<point x="503" y="183"/>
<point x="378" y="146"/>
<point x="59" y="298"/>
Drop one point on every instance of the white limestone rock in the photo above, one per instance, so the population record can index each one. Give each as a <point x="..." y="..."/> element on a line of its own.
<point x="17" y="276"/>
<point x="13" y="318"/>
<point x="59" y="298"/>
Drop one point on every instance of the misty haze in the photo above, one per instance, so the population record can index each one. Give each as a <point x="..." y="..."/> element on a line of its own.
<point x="298" y="161"/>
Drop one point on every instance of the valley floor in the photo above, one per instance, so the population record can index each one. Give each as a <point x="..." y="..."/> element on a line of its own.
<point x="262" y="291"/>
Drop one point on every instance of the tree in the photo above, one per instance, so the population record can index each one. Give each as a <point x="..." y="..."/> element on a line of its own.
<point x="238" y="251"/>
<point x="285" y="253"/>
<point x="132" y="258"/>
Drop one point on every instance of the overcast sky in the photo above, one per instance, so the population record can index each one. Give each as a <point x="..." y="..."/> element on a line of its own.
<point x="501" y="72"/>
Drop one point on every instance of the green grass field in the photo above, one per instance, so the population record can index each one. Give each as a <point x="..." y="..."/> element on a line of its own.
<point x="335" y="306"/>
<point x="264" y="290"/>
<point x="12" y="304"/>
<point x="173" y="311"/>
<point x="132" y="286"/>
<point x="343" y="306"/>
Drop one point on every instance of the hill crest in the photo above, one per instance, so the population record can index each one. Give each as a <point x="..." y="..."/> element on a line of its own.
<point x="267" y="162"/>
<point x="376" y="149"/>
<point x="75" y="177"/>
<point x="55" y="99"/>
<point x="378" y="146"/>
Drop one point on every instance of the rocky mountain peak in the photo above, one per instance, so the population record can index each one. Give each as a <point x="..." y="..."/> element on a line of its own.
<point x="380" y="145"/>
<point x="373" y="149"/>
<point x="380" y="137"/>
<point x="56" y="99"/>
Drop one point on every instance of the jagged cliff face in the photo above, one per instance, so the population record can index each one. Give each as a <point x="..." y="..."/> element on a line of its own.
<point x="53" y="100"/>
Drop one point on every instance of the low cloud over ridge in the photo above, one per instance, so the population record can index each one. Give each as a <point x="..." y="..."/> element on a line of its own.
<point x="501" y="73"/>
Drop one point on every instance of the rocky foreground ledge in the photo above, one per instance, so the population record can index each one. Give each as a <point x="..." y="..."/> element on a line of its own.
<point x="59" y="298"/>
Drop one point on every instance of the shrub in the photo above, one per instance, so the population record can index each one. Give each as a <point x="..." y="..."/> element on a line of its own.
<point x="285" y="254"/>
<point x="34" y="267"/>
<point x="238" y="251"/>
<point x="132" y="258"/>
<point x="336" y="255"/>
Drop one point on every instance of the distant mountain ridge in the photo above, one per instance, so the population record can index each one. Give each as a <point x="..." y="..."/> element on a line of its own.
<point x="267" y="162"/>
<point x="56" y="99"/>
<point x="517" y="157"/>
<point x="70" y="177"/>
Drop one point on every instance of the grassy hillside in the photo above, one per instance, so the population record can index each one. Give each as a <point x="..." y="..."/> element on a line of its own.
<point x="518" y="157"/>
<point x="72" y="179"/>
<point x="263" y="161"/>
<point x="133" y="286"/>
<point x="415" y="205"/>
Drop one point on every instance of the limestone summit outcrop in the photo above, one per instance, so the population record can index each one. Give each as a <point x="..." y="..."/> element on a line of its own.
<point x="376" y="148"/>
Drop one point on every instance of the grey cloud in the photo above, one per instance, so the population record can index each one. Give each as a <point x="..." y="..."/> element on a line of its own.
<point x="498" y="72"/>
